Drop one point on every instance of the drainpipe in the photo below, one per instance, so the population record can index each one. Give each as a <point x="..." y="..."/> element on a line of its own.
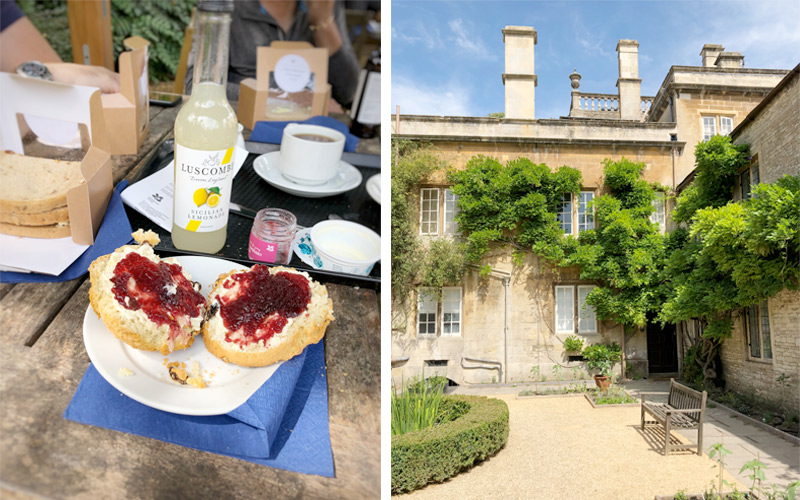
<point x="505" y="330"/>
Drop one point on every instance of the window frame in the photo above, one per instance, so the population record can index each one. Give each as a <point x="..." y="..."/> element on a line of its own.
<point x="746" y="319"/>
<point x="443" y="207"/>
<point x="753" y="167"/>
<point x="566" y="198"/>
<point x="576" y="310"/>
<point x="703" y="119"/>
<point x="423" y="211"/>
<point x="589" y="215"/>
<point x="460" y="311"/>
<point x="720" y="118"/>
<point x="661" y="221"/>
<point x="439" y="312"/>
<point x="420" y="293"/>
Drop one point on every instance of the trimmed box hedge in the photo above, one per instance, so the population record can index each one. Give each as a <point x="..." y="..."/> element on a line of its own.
<point x="434" y="454"/>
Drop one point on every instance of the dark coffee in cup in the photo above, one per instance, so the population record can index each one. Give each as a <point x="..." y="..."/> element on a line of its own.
<point x="314" y="137"/>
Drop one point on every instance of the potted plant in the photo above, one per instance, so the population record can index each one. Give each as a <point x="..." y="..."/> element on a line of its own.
<point x="602" y="358"/>
<point x="573" y="345"/>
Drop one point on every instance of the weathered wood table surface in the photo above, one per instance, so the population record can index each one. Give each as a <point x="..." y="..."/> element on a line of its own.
<point x="42" y="360"/>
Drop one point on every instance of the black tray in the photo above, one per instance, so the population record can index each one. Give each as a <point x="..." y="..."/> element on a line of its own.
<point x="250" y="190"/>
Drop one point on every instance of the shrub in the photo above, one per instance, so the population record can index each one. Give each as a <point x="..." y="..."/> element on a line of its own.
<point x="573" y="343"/>
<point x="434" y="454"/>
<point x="602" y="357"/>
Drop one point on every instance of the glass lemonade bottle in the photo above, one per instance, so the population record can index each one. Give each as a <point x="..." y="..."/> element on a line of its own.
<point x="205" y="133"/>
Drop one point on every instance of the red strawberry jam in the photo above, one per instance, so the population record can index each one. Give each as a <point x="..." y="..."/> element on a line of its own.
<point x="158" y="288"/>
<point x="263" y="304"/>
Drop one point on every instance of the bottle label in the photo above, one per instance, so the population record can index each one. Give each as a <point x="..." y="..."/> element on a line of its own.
<point x="202" y="188"/>
<point x="370" y="112"/>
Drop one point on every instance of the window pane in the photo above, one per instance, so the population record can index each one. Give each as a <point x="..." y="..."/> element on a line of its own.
<point x="754" y="175"/>
<point x="725" y="125"/>
<point x="450" y="212"/>
<point x="451" y="310"/>
<point x="587" y="322"/>
<point x="585" y="214"/>
<point x="564" y="215"/>
<point x="659" y="210"/>
<point x="429" y="211"/>
<point x="709" y="127"/>
<point x="752" y="323"/>
<point x="565" y="309"/>
<point x="426" y="312"/>
<point x="744" y="180"/>
<point x="765" y="337"/>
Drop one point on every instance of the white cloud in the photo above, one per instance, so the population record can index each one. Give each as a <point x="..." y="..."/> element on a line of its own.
<point x="440" y="100"/>
<point x="468" y="41"/>
<point x="417" y="35"/>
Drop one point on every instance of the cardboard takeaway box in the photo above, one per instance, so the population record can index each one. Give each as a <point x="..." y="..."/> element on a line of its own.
<point x="127" y="113"/>
<point x="297" y="73"/>
<point x="64" y="104"/>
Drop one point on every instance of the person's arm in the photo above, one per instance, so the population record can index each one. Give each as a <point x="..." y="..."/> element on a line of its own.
<point x="332" y="33"/>
<point x="21" y="42"/>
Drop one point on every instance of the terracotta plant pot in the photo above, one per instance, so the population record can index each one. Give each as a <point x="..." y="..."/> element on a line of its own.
<point x="603" y="383"/>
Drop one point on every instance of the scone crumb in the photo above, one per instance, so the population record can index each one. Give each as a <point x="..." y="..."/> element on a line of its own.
<point x="150" y="237"/>
<point x="196" y="379"/>
<point x="125" y="372"/>
<point x="177" y="371"/>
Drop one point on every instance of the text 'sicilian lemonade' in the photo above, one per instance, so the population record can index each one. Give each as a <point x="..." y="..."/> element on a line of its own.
<point x="205" y="134"/>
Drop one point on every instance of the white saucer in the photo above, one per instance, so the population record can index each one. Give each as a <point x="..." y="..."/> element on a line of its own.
<point x="347" y="177"/>
<point x="374" y="188"/>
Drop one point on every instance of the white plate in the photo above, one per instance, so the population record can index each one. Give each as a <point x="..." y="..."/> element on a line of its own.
<point x="374" y="188"/>
<point x="347" y="177"/>
<point x="228" y="386"/>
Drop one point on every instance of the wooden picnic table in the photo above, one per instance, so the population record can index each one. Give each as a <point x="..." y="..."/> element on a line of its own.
<point x="43" y="359"/>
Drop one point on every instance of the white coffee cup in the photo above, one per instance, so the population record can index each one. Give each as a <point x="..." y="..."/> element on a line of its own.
<point x="308" y="161"/>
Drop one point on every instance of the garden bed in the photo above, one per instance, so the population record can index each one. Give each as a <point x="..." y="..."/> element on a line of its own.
<point x="615" y="397"/>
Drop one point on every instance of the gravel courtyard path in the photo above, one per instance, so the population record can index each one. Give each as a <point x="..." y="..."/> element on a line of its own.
<point x="562" y="448"/>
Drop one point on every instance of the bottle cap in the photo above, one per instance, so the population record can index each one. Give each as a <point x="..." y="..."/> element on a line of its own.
<point x="215" y="5"/>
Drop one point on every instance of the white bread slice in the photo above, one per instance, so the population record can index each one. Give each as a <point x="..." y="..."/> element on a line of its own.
<point x="306" y="328"/>
<point x="50" y="217"/>
<point x="60" y="230"/>
<point x="35" y="185"/>
<point x="133" y="326"/>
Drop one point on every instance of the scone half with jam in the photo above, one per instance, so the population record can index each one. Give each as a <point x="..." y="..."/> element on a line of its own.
<point x="147" y="302"/>
<point x="262" y="315"/>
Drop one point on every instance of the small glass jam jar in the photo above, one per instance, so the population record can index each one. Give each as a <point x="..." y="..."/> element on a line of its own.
<point x="272" y="235"/>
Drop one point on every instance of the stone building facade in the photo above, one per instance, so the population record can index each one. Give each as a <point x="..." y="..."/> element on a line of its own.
<point x="503" y="328"/>
<point x="763" y="356"/>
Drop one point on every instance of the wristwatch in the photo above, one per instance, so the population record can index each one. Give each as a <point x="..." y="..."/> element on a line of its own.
<point x="34" y="69"/>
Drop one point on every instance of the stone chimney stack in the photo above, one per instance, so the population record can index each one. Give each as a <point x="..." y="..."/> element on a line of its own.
<point x="709" y="54"/>
<point x="629" y="83"/>
<point x="519" y="78"/>
<point x="730" y="60"/>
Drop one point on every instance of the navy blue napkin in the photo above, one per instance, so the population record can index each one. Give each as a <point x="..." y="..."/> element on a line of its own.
<point x="283" y="425"/>
<point x="115" y="231"/>
<point x="272" y="132"/>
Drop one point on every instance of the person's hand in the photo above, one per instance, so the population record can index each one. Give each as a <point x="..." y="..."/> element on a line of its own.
<point x="90" y="76"/>
<point x="319" y="11"/>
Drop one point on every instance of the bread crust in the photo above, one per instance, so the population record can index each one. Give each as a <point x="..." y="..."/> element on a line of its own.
<point x="49" y="232"/>
<point x="35" y="185"/>
<point x="307" y="328"/>
<point x="111" y="313"/>
<point x="49" y="217"/>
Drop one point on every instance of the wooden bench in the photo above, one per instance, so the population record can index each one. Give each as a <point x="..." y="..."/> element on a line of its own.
<point x="685" y="409"/>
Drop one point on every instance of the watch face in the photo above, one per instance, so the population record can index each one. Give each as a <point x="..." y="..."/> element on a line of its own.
<point x="34" y="69"/>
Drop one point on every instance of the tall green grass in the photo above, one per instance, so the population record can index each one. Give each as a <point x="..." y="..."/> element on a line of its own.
<point x="415" y="407"/>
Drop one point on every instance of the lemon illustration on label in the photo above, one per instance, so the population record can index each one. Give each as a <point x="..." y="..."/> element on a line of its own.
<point x="213" y="197"/>
<point x="200" y="196"/>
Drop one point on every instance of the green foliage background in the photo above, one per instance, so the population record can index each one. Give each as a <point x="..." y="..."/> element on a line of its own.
<point x="160" y="22"/>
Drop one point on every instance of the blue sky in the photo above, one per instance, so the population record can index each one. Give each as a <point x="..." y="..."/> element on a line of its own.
<point x="448" y="57"/>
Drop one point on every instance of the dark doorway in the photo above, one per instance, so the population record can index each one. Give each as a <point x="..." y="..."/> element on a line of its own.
<point x="662" y="348"/>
